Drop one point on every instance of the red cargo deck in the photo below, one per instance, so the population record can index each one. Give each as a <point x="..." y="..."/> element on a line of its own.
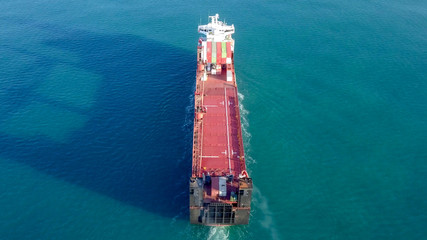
<point x="218" y="149"/>
<point x="220" y="146"/>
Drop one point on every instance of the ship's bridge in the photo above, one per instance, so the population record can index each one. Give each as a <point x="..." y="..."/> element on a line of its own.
<point x="217" y="31"/>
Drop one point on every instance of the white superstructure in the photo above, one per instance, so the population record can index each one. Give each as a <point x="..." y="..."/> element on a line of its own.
<point x="216" y="48"/>
<point x="217" y="31"/>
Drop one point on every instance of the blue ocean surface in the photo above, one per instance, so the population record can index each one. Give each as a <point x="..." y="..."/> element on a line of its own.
<point x="96" y="101"/>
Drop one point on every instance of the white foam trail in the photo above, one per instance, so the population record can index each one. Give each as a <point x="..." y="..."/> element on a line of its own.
<point x="218" y="233"/>
<point x="260" y="202"/>
<point x="189" y="111"/>
<point x="245" y="129"/>
<point x="187" y="126"/>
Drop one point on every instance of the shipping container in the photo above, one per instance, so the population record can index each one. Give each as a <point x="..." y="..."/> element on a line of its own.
<point x="219" y="53"/>
<point x="204" y="57"/>
<point x="222" y="186"/>
<point x="224" y="52"/>
<point x="228" y="49"/>
<point x="229" y="76"/>
<point x="209" y="52"/>
<point x="214" y="52"/>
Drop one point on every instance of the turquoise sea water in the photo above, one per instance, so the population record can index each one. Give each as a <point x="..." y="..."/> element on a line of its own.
<point x="96" y="118"/>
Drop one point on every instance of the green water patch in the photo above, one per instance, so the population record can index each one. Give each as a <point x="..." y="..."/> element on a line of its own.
<point x="70" y="85"/>
<point x="38" y="119"/>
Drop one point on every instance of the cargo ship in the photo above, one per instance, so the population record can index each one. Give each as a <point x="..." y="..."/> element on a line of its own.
<point x="220" y="186"/>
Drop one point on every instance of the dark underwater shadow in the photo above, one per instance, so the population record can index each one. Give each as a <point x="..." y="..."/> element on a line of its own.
<point x="136" y="144"/>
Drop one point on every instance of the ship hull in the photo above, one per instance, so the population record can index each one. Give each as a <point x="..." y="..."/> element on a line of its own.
<point x="220" y="187"/>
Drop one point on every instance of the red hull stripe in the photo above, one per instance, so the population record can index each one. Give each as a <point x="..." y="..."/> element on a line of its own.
<point x="218" y="52"/>
<point x="228" y="50"/>
<point x="209" y="52"/>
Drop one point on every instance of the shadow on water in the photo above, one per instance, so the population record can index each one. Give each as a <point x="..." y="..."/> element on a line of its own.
<point x="135" y="145"/>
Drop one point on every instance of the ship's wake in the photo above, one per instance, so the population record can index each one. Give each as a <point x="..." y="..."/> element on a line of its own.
<point x="218" y="233"/>
<point x="260" y="203"/>
<point x="187" y="128"/>
<point x="245" y="130"/>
